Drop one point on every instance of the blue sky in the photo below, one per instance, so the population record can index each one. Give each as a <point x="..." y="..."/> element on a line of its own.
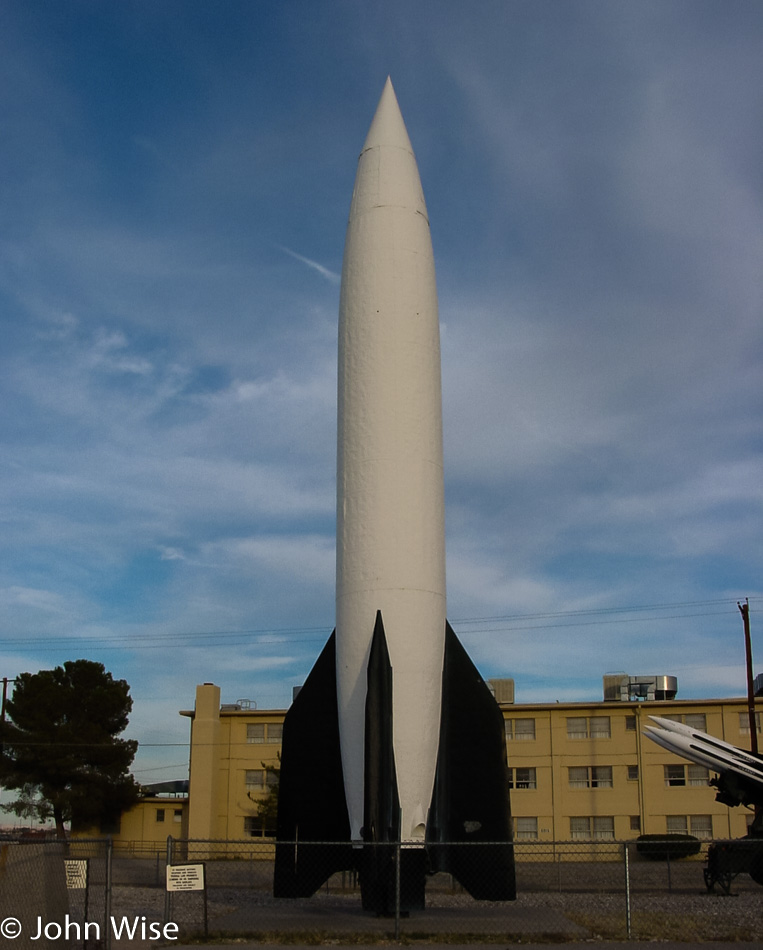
<point x="175" y="180"/>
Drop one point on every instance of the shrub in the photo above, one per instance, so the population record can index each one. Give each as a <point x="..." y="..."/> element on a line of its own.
<point x="663" y="847"/>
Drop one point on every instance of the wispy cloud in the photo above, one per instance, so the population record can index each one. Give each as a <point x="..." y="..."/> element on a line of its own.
<point x="323" y="271"/>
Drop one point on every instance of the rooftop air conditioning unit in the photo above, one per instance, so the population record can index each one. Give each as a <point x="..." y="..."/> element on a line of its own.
<point x="502" y="689"/>
<point x="619" y="687"/>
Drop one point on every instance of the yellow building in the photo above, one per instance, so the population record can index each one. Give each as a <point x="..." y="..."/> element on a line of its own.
<point x="146" y="826"/>
<point x="586" y="772"/>
<point x="578" y="771"/>
<point x="234" y="751"/>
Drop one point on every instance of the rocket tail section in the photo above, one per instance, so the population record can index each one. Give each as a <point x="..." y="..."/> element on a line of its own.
<point x="469" y="830"/>
<point x="469" y="825"/>
<point x="311" y="799"/>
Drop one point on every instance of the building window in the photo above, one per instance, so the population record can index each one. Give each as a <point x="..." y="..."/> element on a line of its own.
<point x="633" y="773"/>
<point x="253" y="826"/>
<point x="590" y="776"/>
<point x="598" y="828"/>
<point x="580" y="829"/>
<point x="257" y="780"/>
<point x="701" y="826"/>
<point x="588" y="727"/>
<point x="674" y="775"/>
<point x="698" y="775"/>
<point x="259" y="732"/>
<point x="160" y="814"/>
<point x="692" y="720"/>
<point x="254" y="779"/>
<point x="519" y="729"/>
<point x="696" y="721"/>
<point x="255" y="732"/>
<point x="744" y="723"/>
<point x="635" y="823"/>
<point x="577" y="727"/>
<point x="603" y="828"/>
<point x="177" y="815"/>
<point x="522" y="778"/>
<point x="630" y="723"/>
<point x="525" y="829"/>
<point x="598" y="727"/>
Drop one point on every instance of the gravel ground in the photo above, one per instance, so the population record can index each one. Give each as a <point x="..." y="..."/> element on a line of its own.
<point x="691" y="917"/>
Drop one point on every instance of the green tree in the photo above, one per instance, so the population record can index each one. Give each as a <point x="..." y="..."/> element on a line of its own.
<point x="60" y="745"/>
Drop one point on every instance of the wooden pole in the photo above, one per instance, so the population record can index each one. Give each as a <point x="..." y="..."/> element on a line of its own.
<point x="744" y="609"/>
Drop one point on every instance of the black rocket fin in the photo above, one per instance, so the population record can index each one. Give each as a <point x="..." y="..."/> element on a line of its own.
<point x="381" y="805"/>
<point x="311" y="801"/>
<point x="470" y="804"/>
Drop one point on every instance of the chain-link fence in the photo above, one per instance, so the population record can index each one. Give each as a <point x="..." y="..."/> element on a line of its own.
<point x="54" y="892"/>
<point x="564" y="890"/>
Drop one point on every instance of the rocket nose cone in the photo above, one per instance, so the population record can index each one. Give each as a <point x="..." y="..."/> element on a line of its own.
<point x="387" y="127"/>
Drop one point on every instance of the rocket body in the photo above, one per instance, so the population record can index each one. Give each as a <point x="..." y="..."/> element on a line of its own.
<point x="394" y="736"/>
<point x="390" y="496"/>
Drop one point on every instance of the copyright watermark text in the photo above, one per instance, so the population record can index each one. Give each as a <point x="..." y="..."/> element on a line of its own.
<point x="123" y="928"/>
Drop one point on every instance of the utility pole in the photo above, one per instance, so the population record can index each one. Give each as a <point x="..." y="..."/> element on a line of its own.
<point x="744" y="609"/>
<point x="2" y="718"/>
<point x="2" y="714"/>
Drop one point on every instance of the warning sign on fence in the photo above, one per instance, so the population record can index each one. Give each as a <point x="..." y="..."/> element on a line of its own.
<point x="185" y="877"/>
<point x="76" y="875"/>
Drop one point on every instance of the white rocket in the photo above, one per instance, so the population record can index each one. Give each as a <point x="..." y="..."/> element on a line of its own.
<point x="740" y="773"/>
<point x="390" y="534"/>
<point x="394" y="737"/>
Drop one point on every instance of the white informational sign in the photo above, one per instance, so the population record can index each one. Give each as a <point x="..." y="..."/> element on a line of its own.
<point x="185" y="877"/>
<point x="76" y="875"/>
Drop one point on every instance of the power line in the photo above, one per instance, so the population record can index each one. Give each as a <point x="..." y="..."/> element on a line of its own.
<point x="290" y="636"/>
<point x="726" y="601"/>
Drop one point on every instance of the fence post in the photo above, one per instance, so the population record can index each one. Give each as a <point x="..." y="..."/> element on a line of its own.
<point x="397" y="889"/>
<point x="167" y="893"/>
<point x="627" y="890"/>
<point x="107" y="902"/>
<point x="206" y="910"/>
<point x="86" y="911"/>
